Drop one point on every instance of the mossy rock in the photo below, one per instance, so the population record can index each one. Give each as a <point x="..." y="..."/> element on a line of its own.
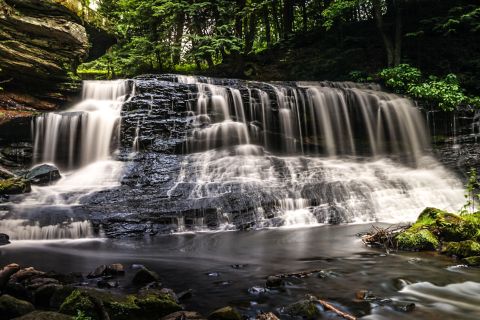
<point x="306" y="309"/>
<point x="225" y="313"/>
<point x="457" y="228"/>
<point x="119" y="307"/>
<point x="447" y="226"/>
<point x="417" y="240"/>
<point x="79" y="300"/>
<point x="14" y="186"/>
<point x="44" y="315"/>
<point x="11" y="307"/>
<point x="472" y="261"/>
<point x="462" y="249"/>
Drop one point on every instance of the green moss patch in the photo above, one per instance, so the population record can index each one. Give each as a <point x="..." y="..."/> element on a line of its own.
<point x="462" y="249"/>
<point x="417" y="240"/>
<point x="14" y="186"/>
<point x="118" y="307"/>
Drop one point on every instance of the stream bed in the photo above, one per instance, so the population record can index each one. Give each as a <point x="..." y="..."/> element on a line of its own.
<point x="230" y="268"/>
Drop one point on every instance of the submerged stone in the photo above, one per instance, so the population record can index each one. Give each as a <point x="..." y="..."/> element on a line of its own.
<point x="225" y="313"/>
<point x="306" y="309"/>
<point x="144" y="276"/>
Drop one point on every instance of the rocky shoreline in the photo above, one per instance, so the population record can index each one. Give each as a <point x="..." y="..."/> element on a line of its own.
<point x="454" y="235"/>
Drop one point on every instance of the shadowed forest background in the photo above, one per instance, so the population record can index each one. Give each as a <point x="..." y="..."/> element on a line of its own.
<point x="430" y="44"/>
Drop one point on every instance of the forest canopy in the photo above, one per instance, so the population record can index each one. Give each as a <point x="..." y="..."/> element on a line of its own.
<point x="251" y="38"/>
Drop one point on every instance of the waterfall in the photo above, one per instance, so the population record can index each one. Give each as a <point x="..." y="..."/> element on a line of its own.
<point x="81" y="141"/>
<point x="311" y="152"/>
<point x="84" y="133"/>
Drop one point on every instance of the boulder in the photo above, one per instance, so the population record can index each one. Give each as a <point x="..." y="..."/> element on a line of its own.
<point x="7" y="272"/>
<point x="44" y="315"/>
<point x="144" y="276"/>
<point x="4" y="239"/>
<point x="11" y="307"/>
<point x="417" y="240"/>
<point x="95" y="303"/>
<point x="472" y="261"/>
<point x="59" y="296"/>
<point x="107" y="270"/>
<point x="43" y="174"/>
<point x="305" y="309"/>
<point x="274" y="282"/>
<point x="462" y="249"/>
<point x="267" y="316"/>
<point x="14" y="186"/>
<point x="225" y="313"/>
<point x="43" y="295"/>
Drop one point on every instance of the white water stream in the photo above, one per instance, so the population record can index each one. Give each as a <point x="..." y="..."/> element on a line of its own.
<point x="79" y="140"/>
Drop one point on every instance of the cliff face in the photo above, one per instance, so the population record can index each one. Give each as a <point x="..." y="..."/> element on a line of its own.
<point x="41" y="43"/>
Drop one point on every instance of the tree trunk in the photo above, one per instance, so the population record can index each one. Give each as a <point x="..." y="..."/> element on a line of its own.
<point x="178" y="38"/>
<point x="276" y="19"/>
<point x="266" y="21"/>
<point x="398" y="36"/>
<point x="239" y="18"/>
<point x="304" y="15"/>
<point x="377" y="10"/>
<point x="287" y="17"/>
<point x="250" y="34"/>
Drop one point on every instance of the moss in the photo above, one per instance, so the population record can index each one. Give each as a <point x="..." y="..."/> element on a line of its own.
<point x="14" y="186"/>
<point x="472" y="261"/>
<point x="119" y="307"/>
<point x="306" y="309"/>
<point x="79" y="300"/>
<point x="157" y="305"/>
<point x="417" y="240"/>
<point x="462" y="249"/>
<point x="225" y="313"/>
<point x="123" y="309"/>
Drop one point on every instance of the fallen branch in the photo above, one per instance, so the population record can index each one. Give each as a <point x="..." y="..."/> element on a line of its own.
<point x="383" y="237"/>
<point x="329" y="307"/>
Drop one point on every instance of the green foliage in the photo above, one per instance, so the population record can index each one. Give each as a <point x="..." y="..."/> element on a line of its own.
<point x="471" y="195"/>
<point x="81" y="316"/>
<point x="339" y="10"/>
<point x="444" y="93"/>
<point x="401" y="77"/>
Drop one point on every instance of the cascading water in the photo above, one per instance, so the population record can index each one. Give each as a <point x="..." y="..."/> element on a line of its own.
<point x="81" y="141"/>
<point x="311" y="152"/>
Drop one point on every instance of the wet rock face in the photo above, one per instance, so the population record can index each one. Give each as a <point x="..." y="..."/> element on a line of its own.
<point x="40" y="43"/>
<point x="38" y="39"/>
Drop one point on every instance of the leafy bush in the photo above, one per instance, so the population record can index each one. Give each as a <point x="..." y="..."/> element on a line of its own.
<point x="401" y="77"/>
<point x="445" y="93"/>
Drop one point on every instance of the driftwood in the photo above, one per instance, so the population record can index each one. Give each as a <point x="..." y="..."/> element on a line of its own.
<point x="383" y="237"/>
<point x="330" y="307"/>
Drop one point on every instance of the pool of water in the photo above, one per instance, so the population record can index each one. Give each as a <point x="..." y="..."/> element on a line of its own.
<point x="221" y="267"/>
